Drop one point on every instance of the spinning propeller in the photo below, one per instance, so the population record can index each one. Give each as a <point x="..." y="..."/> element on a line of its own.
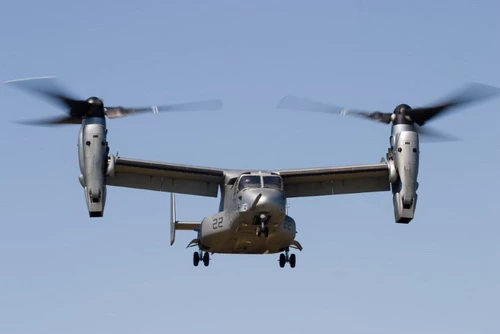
<point x="403" y="113"/>
<point x="93" y="106"/>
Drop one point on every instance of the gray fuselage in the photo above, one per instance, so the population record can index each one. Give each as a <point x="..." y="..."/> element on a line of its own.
<point x="248" y="200"/>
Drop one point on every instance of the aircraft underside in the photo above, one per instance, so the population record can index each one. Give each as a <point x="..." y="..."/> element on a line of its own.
<point x="242" y="238"/>
<point x="245" y="241"/>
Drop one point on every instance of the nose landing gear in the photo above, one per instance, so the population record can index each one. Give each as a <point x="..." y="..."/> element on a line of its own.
<point x="262" y="228"/>
<point x="284" y="258"/>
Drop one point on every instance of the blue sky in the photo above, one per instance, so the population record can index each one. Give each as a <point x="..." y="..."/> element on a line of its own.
<point x="359" y="272"/>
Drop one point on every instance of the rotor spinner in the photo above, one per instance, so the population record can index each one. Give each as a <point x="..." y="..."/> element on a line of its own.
<point x="401" y="115"/>
<point x="95" y="107"/>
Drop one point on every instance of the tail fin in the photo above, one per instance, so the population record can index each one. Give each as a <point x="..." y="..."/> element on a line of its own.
<point x="173" y="218"/>
<point x="179" y="225"/>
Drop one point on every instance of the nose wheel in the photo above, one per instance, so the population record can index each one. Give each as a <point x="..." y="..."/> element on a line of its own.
<point x="201" y="256"/>
<point x="284" y="259"/>
<point x="262" y="228"/>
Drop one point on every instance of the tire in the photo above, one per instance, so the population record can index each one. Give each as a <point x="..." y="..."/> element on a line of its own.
<point x="206" y="259"/>
<point x="282" y="260"/>
<point x="196" y="259"/>
<point x="292" y="261"/>
<point x="266" y="231"/>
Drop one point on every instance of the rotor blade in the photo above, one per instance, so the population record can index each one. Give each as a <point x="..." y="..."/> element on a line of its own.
<point x="53" y="121"/>
<point x="431" y="135"/>
<point x="47" y="87"/>
<point x="302" y="104"/>
<point x="375" y="115"/>
<point x="474" y="92"/>
<point x="113" y="112"/>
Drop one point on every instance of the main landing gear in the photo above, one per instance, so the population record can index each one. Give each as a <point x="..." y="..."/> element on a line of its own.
<point x="284" y="258"/>
<point x="203" y="256"/>
<point x="262" y="228"/>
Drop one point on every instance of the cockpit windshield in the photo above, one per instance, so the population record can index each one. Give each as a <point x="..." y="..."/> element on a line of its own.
<point x="273" y="182"/>
<point x="249" y="181"/>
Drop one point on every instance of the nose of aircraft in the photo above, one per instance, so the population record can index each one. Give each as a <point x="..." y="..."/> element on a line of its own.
<point x="270" y="201"/>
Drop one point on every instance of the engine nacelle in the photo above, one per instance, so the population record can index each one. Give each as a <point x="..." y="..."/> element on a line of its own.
<point x="92" y="154"/>
<point x="403" y="213"/>
<point x="405" y="157"/>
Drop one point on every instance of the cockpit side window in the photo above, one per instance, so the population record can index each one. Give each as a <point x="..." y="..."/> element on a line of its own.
<point x="273" y="182"/>
<point x="250" y="181"/>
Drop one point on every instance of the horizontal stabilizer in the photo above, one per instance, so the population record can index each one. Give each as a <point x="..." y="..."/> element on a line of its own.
<point x="187" y="226"/>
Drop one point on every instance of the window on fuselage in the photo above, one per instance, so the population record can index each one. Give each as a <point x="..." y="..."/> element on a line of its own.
<point x="250" y="181"/>
<point x="273" y="182"/>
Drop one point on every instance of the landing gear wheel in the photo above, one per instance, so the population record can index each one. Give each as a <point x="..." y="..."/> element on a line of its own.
<point x="196" y="259"/>
<point x="292" y="261"/>
<point x="282" y="260"/>
<point x="266" y="231"/>
<point x="258" y="231"/>
<point x="206" y="259"/>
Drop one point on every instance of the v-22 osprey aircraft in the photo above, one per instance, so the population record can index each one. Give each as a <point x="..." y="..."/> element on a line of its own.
<point x="252" y="216"/>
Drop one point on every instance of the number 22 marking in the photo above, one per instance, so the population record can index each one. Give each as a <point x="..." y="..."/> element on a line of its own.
<point x="217" y="223"/>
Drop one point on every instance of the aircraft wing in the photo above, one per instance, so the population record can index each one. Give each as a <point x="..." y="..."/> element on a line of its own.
<point x="335" y="180"/>
<point x="164" y="176"/>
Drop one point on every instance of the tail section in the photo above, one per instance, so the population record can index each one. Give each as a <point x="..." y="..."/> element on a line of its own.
<point x="179" y="225"/>
<point x="173" y="218"/>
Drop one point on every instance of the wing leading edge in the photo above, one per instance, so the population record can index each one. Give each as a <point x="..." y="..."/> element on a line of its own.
<point x="163" y="176"/>
<point x="335" y="180"/>
<point x="205" y="181"/>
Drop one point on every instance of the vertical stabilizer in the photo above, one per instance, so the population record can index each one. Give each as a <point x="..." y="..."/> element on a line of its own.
<point x="173" y="218"/>
<point x="179" y="225"/>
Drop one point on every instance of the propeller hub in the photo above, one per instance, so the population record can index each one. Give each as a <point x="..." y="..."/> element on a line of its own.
<point x="95" y="101"/>
<point x="401" y="115"/>
<point x="95" y="108"/>
<point x="402" y="109"/>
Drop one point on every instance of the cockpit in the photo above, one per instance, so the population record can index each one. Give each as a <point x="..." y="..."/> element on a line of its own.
<point x="260" y="181"/>
<point x="249" y="181"/>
